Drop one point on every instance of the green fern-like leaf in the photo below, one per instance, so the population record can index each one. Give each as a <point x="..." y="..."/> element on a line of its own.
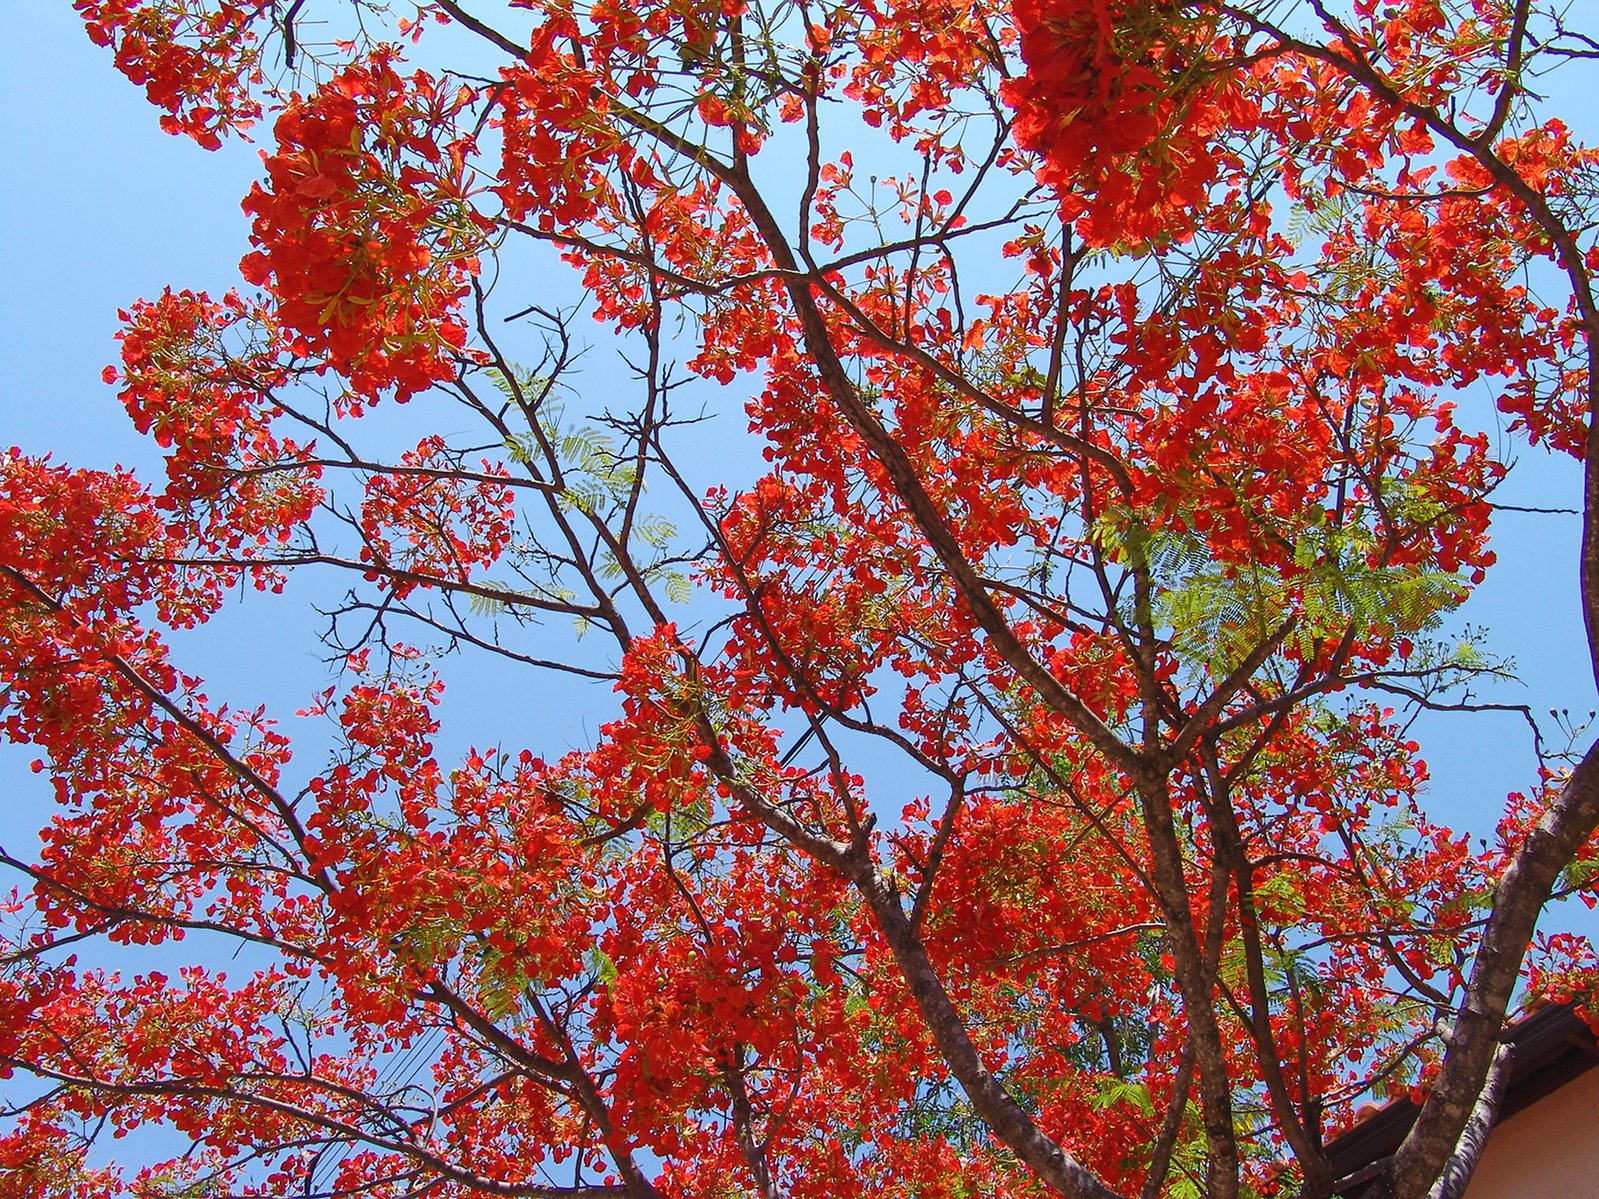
<point x="487" y="605"/>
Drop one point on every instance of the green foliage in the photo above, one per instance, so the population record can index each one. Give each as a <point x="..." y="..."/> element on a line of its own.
<point x="168" y="1184"/>
<point x="598" y="480"/>
<point x="1218" y="612"/>
<point x="1189" y="1160"/>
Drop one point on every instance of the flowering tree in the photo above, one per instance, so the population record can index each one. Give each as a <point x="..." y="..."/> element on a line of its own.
<point x="1114" y="510"/>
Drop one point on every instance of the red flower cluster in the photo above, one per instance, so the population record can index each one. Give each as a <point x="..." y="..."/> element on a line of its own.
<point x="198" y="376"/>
<point x="195" y="59"/>
<point x="557" y="137"/>
<point x="1118" y="103"/>
<point x="424" y="520"/>
<point x="365" y="231"/>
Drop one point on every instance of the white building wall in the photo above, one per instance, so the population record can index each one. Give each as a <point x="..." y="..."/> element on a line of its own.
<point x="1547" y="1151"/>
